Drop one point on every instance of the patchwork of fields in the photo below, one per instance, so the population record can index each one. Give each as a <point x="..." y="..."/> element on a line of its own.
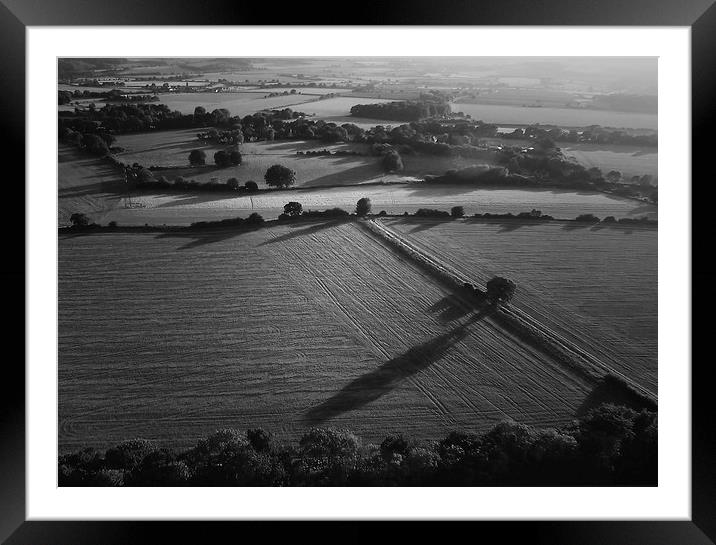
<point x="565" y="117"/>
<point x="629" y="160"/>
<point x="87" y="185"/>
<point x="172" y="148"/>
<point x="172" y="336"/>
<point x="595" y="285"/>
<point x="237" y="103"/>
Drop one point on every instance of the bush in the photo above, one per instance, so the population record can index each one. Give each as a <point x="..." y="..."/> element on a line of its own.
<point x="500" y="290"/>
<point x="393" y="444"/>
<point x="129" y="454"/>
<point x="233" y="184"/>
<point x="363" y="206"/>
<point x="222" y="159"/>
<point x="260" y="440"/>
<point x="255" y="219"/>
<point x="293" y="209"/>
<point x="251" y="186"/>
<point x="587" y="218"/>
<point x="197" y="157"/>
<point x="79" y="220"/>
<point x="392" y="161"/>
<point x="430" y="213"/>
<point x="279" y="176"/>
<point x="235" y="157"/>
<point x="609" y="445"/>
<point x="457" y="211"/>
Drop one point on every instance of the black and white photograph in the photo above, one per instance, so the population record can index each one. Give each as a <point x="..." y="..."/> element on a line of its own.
<point x="357" y="271"/>
<point x="403" y="267"/>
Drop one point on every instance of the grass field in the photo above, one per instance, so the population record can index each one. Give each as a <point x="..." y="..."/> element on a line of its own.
<point x="237" y="103"/>
<point x="177" y="208"/>
<point x="85" y="184"/>
<point x="629" y="160"/>
<point x="172" y="336"/>
<point x="596" y="286"/>
<point x="565" y="117"/>
<point x="172" y="148"/>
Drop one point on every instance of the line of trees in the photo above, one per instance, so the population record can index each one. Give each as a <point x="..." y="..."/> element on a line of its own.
<point x="609" y="445"/>
<point x="407" y="110"/>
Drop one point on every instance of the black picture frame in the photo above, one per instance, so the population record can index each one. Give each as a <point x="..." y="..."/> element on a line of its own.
<point x="700" y="15"/>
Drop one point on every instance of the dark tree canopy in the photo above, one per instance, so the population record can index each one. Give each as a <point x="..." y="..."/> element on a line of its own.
<point x="222" y="159"/>
<point x="79" y="220"/>
<point x="95" y="144"/>
<point x="197" y="157"/>
<point x="293" y="209"/>
<point x="235" y="157"/>
<point x="251" y="186"/>
<point x="392" y="161"/>
<point x="233" y="184"/>
<point x="279" y="176"/>
<point x="457" y="211"/>
<point x="363" y="206"/>
<point x="500" y="290"/>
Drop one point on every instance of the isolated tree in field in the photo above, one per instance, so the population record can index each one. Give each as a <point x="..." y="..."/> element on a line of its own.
<point x="222" y="159"/>
<point x="199" y="111"/>
<point x="233" y="184"/>
<point x="79" y="220"/>
<point x="500" y="290"/>
<point x="392" y="161"/>
<point x="251" y="186"/>
<point x="293" y="209"/>
<point x="197" y="157"/>
<point x="457" y="211"/>
<point x="280" y="176"/>
<point x="235" y="157"/>
<point x="363" y="206"/>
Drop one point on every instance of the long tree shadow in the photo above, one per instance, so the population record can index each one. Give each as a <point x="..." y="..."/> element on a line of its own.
<point x="385" y="378"/>
<point x="296" y="232"/>
<point x="201" y="237"/>
<point x="450" y="308"/>
<point x="388" y="376"/>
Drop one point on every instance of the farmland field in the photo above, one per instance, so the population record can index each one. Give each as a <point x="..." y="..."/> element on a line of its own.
<point x="629" y="160"/>
<point x="594" y="285"/>
<point x="178" y="208"/>
<point x="171" y="336"/>
<point x="85" y="184"/>
<point x="565" y="117"/>
<point x="339" y="106"/>
<point x="237" y="103"/>
<point x="171" y="148"/>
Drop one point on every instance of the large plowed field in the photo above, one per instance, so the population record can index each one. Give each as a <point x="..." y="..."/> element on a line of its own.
<point x="594" y="285"/>
<point x="169" y="337"/>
